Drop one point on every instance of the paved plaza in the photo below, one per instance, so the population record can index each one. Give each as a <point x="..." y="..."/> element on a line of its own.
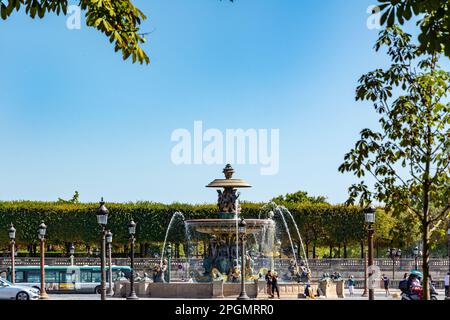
<point x="379" y="295"/>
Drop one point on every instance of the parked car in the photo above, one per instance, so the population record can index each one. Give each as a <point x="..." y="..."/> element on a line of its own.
<point x="10" y="291"/>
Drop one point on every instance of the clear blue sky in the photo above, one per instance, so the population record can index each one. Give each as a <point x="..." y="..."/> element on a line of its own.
<point x="74" y="116"/>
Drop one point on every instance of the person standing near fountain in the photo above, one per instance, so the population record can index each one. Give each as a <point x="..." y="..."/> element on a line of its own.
<point x="269" y="283"/>
<point x="275" y="285"/>
<point x="351" y="285"/>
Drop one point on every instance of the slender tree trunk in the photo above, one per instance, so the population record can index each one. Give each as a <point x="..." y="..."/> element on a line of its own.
<point x="425" y="259"/>
<point x="339" y="251"/>
<point x="362" y="249"/>
<point x="345" y="250"/>
<point x="426" y="212"/>
<point x="331" y="252"/>
<point x="314" y="250"/>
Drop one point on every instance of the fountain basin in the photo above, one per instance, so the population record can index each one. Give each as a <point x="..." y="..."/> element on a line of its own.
<point x="211" y="290"/>
<point x="227" y="226"/>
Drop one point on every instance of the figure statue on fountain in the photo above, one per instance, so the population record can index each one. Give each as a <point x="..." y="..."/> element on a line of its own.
<point x="210" y="259"/>
<point x="223" y="258"/>
<point x="249" y="265"/>
<point x="227" y="201"/>
<point x="235" y="274"/>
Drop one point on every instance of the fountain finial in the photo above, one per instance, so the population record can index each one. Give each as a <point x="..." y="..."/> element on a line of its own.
<point x="228" y="171"/>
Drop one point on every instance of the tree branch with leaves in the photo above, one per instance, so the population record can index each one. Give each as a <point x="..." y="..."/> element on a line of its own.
<point x="119" y="20"/>
<point x="434" y="21"/>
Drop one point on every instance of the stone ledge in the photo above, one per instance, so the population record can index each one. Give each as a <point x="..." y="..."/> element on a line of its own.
<point x="216" y="289"/>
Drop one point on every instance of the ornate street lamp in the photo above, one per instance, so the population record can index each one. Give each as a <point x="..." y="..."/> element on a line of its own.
<point x="12" y="238"/>
<point x="393" y="254"/>
<point x="72" y="253"/>
<point x="369" y="214"/>
<point x="109" y="238"/>
<point x="132" y="232"/>
<point x="42" y="230"/>
<point x="102" y="220"/>
<point x="242" y="229"/>
<point x="416" y="257"/>
<point x="169" y="262"/>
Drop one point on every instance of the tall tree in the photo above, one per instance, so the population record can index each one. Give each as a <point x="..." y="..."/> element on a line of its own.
<point x="408" y="157"/>
<point x="434" y="21"/>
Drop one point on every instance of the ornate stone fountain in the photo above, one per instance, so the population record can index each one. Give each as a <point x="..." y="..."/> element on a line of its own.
<point x="222" y="252"/>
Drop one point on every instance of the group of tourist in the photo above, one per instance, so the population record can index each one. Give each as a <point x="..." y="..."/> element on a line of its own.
<point x="272" y="284"/>
<point x="351" y="282"/>
<point x="411" y="284"/>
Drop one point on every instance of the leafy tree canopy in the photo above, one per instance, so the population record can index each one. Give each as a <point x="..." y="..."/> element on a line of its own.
<point x="300" y="197"/>
<point x="434" y="21"/>
<point x="74" y="200"/>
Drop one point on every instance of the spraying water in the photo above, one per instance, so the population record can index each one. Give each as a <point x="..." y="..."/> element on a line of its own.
<point x="283" y="212"/>
<point x="280" y="213"/>
<point x="176" y="214"/>
<point x="284" y="209"/>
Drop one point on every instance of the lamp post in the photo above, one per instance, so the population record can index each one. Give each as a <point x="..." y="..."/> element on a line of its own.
<point x="72" y="252"/>
<point x="102" y="220"/>
<point x="242" y="228"/>
<point x="394" y="253"/>
<point x="42" y="230"/>
<point x="132" y="232"/>
<point x="109" y="238"/>
<point x="448" y="238"/>
<point x="12" y="238"/>
<point x="416" y="258"/>
<point x="169" y="262"/>
<point x="369" y="214"/>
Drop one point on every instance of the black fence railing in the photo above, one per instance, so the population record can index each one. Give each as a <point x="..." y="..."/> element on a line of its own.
<point x="334" y="264"/>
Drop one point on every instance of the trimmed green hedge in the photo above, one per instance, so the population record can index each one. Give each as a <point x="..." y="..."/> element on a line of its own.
<point x="323" y="224"/>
